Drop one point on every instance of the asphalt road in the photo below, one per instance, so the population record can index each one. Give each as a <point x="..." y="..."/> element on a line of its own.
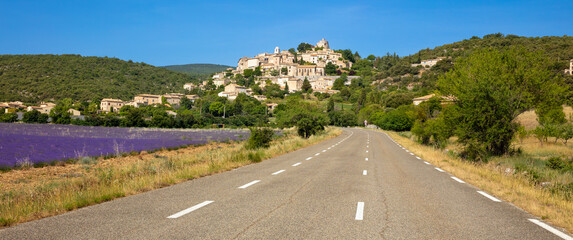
<point x="360" y="185"/>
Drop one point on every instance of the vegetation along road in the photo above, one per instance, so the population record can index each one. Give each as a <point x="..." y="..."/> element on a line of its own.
<point x="360" y="185"/>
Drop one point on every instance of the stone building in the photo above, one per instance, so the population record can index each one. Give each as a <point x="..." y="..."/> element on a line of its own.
<point x="111" y="105"/>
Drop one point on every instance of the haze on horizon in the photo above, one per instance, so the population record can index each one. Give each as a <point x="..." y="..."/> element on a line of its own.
<point x="180" y="32"/>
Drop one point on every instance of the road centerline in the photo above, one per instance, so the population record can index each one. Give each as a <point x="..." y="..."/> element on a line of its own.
<point x="191" y="209"/>
<point x="249" y="184"/>
<point x="296" y="164"/>
<point x="278" y="172"/>
<point x="359" y="211"/>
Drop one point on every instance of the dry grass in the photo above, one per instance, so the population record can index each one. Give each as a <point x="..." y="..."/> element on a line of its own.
<point x="41" y="192"/>
<point x="495" y="178"/>
<point x="529" y="119"/>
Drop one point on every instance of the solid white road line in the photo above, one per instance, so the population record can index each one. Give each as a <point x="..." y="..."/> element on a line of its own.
<point x="364" y="172"/>
<point x="426" y="162"/>
<point x="277" y="172"/>
<point x="418" y="158"/>
<point x="458" y="180"/>
<point x="296" y="164"/>
<point x="191" y="209"/>
<point x="308" y="158"/>
<point x="489" y="196"/>
<point x="551" y="229"/>
<point x="249" y="184"/>
<point x="439" y="169"/>
<point x="359" y="211"/>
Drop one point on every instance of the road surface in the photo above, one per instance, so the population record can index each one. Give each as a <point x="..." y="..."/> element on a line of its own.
<point x="360" y="185"/>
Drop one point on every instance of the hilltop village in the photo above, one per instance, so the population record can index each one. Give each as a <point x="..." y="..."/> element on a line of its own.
<point x="288" y="69"/>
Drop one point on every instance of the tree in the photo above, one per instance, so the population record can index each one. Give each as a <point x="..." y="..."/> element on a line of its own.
<point x="60" y="114"/>
<point x="303" y="47"/>
<point x="185" y="103"/>
<point x="35" y="116"/>
<point x="247" y="73"/>
<point x="306" y="87"/>
<point x="396" y="120"/>
<point x="330" y="69"/>
<point x="257" y="72"/>
<point x="330" y="105"/>
<point x="216" y="108"/>
<point x="339" y="82"/>
<point x="133" y="118"/>
<point x="491" y="88"/>
<point x="284" y="71"/>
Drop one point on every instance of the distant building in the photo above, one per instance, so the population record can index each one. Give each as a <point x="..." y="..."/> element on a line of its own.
<point x="193" y="97"/>
<point x="221" y="82"/>
<point x="570" y="70"/>
<point x="189" y="86"/>
<point x="74" y="112"/>
<point x="232" y="91"/>
<point x="260" y="97"/>
<point x="147" y="99"/>
<point x="111" y="105"/>
<point x="429" y="63"/>
<point x="173" y="99"/>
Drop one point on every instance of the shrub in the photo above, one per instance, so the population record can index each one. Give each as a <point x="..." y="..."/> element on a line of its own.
<point x="555" y="163"/>
<point x="260" y="138"/>
<point x="396" y="120"/>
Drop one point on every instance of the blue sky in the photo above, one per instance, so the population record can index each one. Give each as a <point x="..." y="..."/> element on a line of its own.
<point x="173" y="32"/>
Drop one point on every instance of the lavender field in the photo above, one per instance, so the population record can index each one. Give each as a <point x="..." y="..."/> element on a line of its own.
<point x="44" y="143"/>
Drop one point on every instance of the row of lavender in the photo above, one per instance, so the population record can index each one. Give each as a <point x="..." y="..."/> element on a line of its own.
<point x="37" y="143"/>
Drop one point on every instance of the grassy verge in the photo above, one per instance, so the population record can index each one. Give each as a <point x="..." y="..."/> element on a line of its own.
<point x="35" y="193"/>
<point x="502" y="178"/>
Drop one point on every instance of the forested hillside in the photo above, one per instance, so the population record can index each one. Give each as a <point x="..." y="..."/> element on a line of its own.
<point x="197" y="68"/>
<point x="559" y="48"/>
<point x="34" y="78"/>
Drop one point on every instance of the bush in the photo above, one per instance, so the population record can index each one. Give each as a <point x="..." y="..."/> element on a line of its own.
<point x="260" y="138"/>
<point x="396" y="120"/>
<point x="555" y="163"/>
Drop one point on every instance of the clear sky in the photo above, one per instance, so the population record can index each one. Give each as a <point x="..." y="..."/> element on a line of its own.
<point x="169" y="32"/>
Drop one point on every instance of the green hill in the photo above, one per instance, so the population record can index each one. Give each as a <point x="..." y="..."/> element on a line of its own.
<point x="34" y="78"/>
<point x="558" y="48"/>
<point x="197" y="68"/>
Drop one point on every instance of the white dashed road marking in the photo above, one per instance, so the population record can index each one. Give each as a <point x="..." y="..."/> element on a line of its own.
<point x="359" y="211"/>
<point x="440" y="170"/>
<point x="489" y="196"/>
<point x="458" y="180"/>
<point x="551" y="229"/>
<point x="277" y="172"/>
<point x="191" y="209"/>
<point x="249" y="184"/>
<point x="296" y="164"/>
<point x="364" y="172"/>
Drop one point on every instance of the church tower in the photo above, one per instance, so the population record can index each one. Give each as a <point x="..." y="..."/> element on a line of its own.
<point x="277" y="50"/>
